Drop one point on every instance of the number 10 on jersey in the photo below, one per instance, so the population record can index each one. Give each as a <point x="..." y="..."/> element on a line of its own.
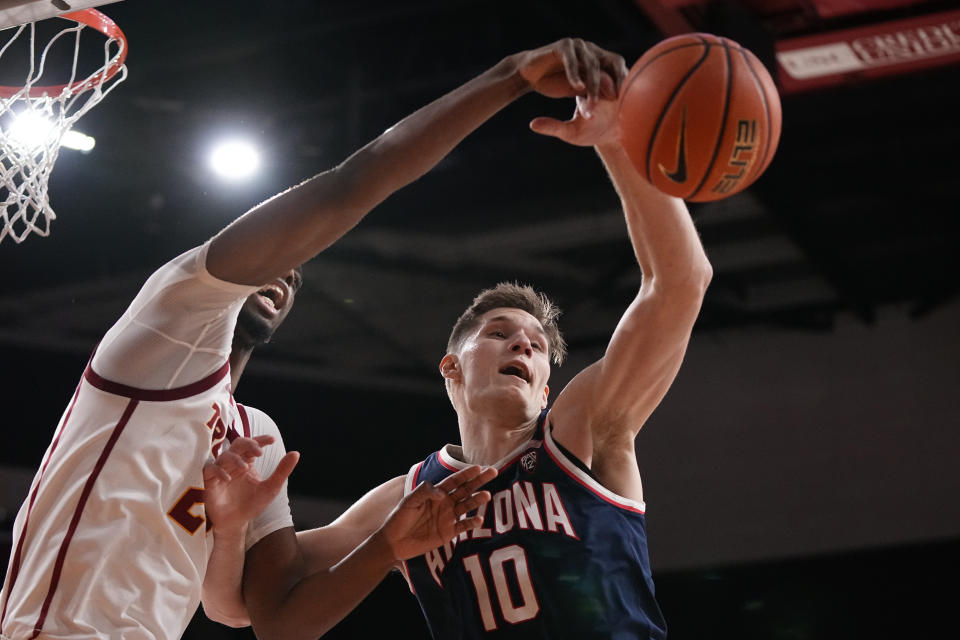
<point x="526" y="609"/>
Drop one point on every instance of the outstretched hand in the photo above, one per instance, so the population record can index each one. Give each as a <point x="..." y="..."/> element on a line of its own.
<point x="431" y="516"/>
<point x="573" y="67"/>
<point x="594" y="122"/>
<point x="234" y="493"/>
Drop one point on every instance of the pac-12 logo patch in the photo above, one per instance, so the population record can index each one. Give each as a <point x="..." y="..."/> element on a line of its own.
<point x="529" y="461"/>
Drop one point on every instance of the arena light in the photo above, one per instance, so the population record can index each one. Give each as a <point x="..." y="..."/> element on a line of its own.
<point x="80" y="141"/>
<point x="234" y="159"/>
<point x="31" y="130"/>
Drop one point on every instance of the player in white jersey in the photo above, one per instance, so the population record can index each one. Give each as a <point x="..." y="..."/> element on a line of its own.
<point x="124" y="472"/>
<point x="113" y="539"/>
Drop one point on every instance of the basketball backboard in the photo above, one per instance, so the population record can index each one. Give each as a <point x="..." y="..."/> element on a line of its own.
<point x="17" y="12"/>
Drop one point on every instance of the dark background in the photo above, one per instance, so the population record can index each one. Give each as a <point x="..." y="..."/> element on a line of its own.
<point x="801" y="476"/>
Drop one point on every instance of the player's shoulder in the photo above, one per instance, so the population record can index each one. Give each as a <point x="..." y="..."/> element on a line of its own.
<point x="187" y="264"/>
<point x="191" y="267"/>
<point x="258" y="422"/>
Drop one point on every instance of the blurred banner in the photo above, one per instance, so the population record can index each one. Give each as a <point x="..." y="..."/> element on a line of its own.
<point x="838" y="57"/>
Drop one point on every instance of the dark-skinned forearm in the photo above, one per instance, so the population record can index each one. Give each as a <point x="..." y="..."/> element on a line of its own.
<point x="295" y="225"/>
<point x="317" y="602"/>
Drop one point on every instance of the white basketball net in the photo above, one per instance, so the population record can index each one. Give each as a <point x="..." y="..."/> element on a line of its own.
<point x="33" y="123"/>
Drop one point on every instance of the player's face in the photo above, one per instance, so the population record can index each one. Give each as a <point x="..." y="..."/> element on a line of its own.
<point x="266" y="309"/>
<point x="507" y="357"/>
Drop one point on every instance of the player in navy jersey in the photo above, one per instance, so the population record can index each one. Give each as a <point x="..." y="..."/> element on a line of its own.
<point x="561" y="550"/>
<point x="558" y="555"/>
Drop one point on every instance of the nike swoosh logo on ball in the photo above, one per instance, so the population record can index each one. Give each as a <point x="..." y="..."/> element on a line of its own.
<point x="680" y="174"/>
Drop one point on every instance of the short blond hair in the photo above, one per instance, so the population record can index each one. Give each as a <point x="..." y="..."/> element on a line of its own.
<point x="515" y="296"/>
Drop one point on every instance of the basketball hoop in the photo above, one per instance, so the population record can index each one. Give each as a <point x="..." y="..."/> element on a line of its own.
<point x="27" y="160"/>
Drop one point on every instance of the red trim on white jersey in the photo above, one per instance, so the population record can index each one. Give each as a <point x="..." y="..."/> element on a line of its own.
<point x="15" y="565"/>
<point x="244" y="419"/>
<point x="78" y="511"/>
<point x="156" y="395"/>
<point x="584" y="479"/>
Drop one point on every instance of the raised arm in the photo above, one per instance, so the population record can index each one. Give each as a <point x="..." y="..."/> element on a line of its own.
<point x="295" y="225"/>
<point x="603" y="408"/>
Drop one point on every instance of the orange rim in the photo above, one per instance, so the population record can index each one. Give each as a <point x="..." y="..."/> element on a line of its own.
<point x="96" y="20"/>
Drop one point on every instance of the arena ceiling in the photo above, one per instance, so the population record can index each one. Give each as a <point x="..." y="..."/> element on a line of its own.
<point x="856" y="211"/>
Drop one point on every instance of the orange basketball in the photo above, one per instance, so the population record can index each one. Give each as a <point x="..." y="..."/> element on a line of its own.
<point x="699" y="117"/>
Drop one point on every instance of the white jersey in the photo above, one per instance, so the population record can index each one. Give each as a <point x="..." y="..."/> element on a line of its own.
<point x="277" y="514"/>
<point x="112" y="540"/>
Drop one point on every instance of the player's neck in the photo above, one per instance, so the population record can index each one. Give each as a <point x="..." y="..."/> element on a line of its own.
<point x="486" y="440"/>
<point x="239" y="356"/>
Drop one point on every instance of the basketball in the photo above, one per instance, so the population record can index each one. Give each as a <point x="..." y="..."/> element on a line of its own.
<point x="699" y="117"/>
